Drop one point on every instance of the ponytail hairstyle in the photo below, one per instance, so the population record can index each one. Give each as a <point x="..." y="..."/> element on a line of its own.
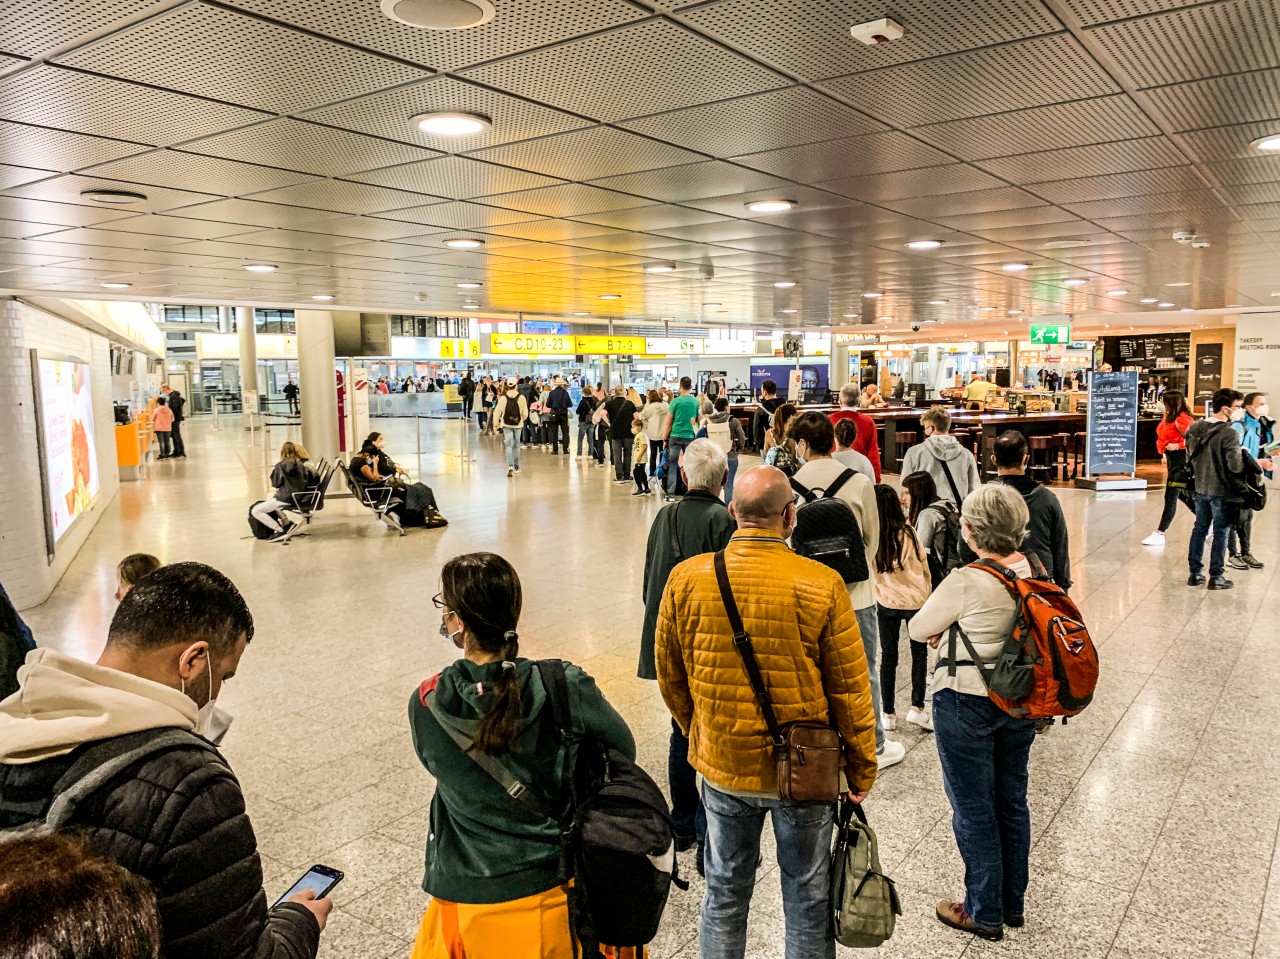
<point x="484" y="591"/>
<point x="894" y="531"/>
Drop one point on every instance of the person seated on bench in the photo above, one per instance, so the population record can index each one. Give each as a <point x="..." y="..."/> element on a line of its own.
<point x="293" y="474"/>
<point x="386" y="465"/>
<point x="412" y="504"/>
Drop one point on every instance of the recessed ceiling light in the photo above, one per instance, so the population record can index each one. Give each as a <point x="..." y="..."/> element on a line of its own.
<point x="787" y="311"/>
<point x="924" y="244"/>
<point x="1117" y="292"/>
<point x="709" y="305"/>
<point x="260" y="267"/>
<point x="464" y="243"/>
<point x="1015" y="312"/>
<point x="469" y="285"/>
<point x="851" y="316"/>
<point x="1182" y="283"/>
<point x="770" y="206"/>
<point x="582" y="314"/>
<point x="1015" y="267"/>
<point x="117" y="197"/>
<point x="323" y="297"/>
<point x="444" y="124"/>
<point x="1186" y="309"/>
<point x="785" y="284"/>
<point x="1064" y="244"/>
<point x="1267" y="143"/>
<point x="1164" y="304"/>
<point x="115" y="286"/>
<point x="610" y="296"/>
<point x="986" y="309"/>
<point x="938" y="302"/>
<point x="1147" y="299"/>
<point x="438" y="15"/>
<point x="660" y="268"/>
<point x="872" y="296"/>
<point x="1074" y="281"/>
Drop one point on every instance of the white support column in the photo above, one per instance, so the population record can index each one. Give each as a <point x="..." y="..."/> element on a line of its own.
<point x="246" y="331"/>
<point x="319" y="399"/>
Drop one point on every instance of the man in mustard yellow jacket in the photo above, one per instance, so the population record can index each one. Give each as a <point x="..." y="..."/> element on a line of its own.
<point x="806" y="640"/>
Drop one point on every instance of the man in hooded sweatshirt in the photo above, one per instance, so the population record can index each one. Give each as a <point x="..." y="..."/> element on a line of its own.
<point x="173" y="814"/>
<point x="953" y="468"/>
<point x="1046" y="537"/>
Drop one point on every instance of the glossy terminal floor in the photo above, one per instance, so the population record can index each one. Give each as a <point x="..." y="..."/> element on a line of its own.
<point x="1155" y="813"/>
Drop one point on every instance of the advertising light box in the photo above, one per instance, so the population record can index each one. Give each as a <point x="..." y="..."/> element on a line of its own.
<point x="70" y="453"/>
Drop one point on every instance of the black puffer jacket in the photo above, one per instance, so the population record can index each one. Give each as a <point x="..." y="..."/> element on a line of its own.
<point x="178" y="819"/>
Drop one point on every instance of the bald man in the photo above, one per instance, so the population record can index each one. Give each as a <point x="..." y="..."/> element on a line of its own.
<point x="801" y="626"/>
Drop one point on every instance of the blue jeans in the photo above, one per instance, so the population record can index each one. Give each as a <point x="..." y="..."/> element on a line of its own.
<point x="803" y="836"/>
<point x="687" y="815"/>
<point x="984" y="753"/>
<point x="728" y="484"/>
<point x="869" y="626"/>
<point x="511" y="442"/>
<point x="584" y="435"/>
<point x="675" y="449"/>
<point x="1209" y="509"/>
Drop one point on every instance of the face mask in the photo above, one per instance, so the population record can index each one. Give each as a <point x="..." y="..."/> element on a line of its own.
<point x="211" y="722"/>
<point x="1261" y="410"/>
<point x="1237" y="415"/>
<point x="444" y="631"/>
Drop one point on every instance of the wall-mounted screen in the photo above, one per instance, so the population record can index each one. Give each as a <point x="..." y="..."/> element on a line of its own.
<point x="70" y="454"/>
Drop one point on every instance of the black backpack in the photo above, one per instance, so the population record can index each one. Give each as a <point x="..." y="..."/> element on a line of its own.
<point x="511" y="412"/>
<point x="827" y="531"/>
<point x="946" y="557"/>
<point x="617" y="842"/>
<point x="259" y="529"/>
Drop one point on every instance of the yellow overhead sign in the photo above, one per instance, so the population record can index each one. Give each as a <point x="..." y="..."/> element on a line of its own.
<point x="667" y="345"/>
<point x="530" y="344"/>
<point x="610" y="344"/>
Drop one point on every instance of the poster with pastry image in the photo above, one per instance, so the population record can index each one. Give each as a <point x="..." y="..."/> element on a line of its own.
<point x="71" y="456"/>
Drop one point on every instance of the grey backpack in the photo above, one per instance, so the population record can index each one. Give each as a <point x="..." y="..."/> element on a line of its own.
<point x="864" y="902"/>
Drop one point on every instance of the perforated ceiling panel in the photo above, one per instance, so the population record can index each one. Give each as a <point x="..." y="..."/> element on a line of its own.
<point x="998" y="79"/>
<point x="170" y="168"/>
<point x="308" y="147"/>
<point x="588" y="154"/>
<point x="214" y="53"/>
<point x="810" y="38"/>
<point x="56" y="97"/>
<point x="1166" y="180"/>
<point x="56" y="149"/>
<point x="11" y="176"/>
<point x="1243" y="98"/>
<point x="633" y="71"/>
<point x="566" y="200"/>
<point x="1094" y="160"/>
<point x="342" y="196"/>
<point x="459" y="178"/>
<point x="692" y="181"/>
<point x="926" y="181"/>
<point x="1100" y="11"/>
<point x="61" y="214"/>
<point x="31" y="28"/>
<point x="877" y="153"/>
<point x="68" y="189"/>
<point x="252" y="214"/>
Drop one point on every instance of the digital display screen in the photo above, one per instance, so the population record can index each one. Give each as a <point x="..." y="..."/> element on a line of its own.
<point x="70" y="452"/>
<point x="318" y="882"/>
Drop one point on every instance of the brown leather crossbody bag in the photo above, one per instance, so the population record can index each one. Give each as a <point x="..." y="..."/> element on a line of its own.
<point x="806" y="753"/>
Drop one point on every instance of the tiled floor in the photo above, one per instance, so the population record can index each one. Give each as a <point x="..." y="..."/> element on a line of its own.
<point x="1155" y="813"/>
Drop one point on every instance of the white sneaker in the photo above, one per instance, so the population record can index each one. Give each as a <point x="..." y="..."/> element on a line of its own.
<point x="918" y="717"/>
<point x="511" y="470"/>
<point x="517" y="471"/>
<point x="889" y="721"/>
<point x="1155" y="539"/>
<point x="892" y="754"/>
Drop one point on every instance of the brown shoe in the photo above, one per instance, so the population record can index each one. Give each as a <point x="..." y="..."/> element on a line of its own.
<point x="952" y="914"/>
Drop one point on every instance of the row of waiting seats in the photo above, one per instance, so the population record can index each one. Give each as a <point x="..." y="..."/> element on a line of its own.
<point x="309" y="502"/>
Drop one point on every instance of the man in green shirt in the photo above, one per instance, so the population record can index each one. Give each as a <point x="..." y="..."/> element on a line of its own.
<point x="679" y="428"/>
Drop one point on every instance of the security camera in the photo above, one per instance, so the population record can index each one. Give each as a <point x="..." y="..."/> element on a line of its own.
<point x="915" y="327"/>
<point x="1184" y="236"/>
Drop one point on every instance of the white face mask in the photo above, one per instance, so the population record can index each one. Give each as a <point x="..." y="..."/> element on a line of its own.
<point x="211" y="722"/>
<point x="1261" y="410"/>
<point x="1237" y="414"/>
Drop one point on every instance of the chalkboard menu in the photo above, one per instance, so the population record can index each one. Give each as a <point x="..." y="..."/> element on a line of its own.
<point x="1112" y="443"/>
<point x="1145" y="350"/>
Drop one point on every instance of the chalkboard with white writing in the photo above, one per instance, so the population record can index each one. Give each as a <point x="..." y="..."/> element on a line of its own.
<point x="1112" y="443"/>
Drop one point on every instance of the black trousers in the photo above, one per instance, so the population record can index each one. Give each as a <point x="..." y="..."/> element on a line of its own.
<point x="179" y="448"/>
<point x="1173" y="461"/>
<point x="1241" y="535"/>
<point x="642" y="480"/>
<point x="655" y="453"/>
<point x="558" y="427"/>
<point x="466" y="406"/>
<point x="890" y="621"/>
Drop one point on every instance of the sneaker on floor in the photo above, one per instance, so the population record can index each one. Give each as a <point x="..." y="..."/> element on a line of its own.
<point x="278" y="535"/>
<point x="517" y="471"/>
<point x="918" y="717"/>
<point x="511" y="470"/>
<point x="953" y="914"/>
<point x="889" y="721"/>
<point x="892" y="754"/>
<point x="1237" y="562"/>
<point x="1155" y="539"/>
<point x="1252" y="561"/>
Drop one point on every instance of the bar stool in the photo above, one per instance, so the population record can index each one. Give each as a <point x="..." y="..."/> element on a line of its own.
<point x="1078" y="441"/>
<point x="903" y="442"/>
<point x="1064" y="442"/>
<point x="1041" y="447"/>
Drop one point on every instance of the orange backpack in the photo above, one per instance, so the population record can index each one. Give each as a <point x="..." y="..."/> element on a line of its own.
<point x="1049" y="665"/>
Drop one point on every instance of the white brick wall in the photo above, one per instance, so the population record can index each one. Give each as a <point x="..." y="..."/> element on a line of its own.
<point x="27" y="574"/>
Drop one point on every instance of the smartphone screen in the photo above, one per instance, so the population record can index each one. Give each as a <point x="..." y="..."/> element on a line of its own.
<point x="320" y="879"/>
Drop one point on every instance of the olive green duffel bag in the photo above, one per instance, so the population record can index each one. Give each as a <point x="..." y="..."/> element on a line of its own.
<point x="864" y="902"/>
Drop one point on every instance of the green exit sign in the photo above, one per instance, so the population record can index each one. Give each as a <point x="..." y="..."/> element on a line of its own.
<point x="1051" y="334"/>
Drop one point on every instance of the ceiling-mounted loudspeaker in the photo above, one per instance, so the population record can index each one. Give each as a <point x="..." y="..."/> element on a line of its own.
<point x="439" y="14"/>
<point x="877" y="31"/>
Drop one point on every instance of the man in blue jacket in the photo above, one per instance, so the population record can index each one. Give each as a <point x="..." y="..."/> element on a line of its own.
<point x="1255" y="433"/>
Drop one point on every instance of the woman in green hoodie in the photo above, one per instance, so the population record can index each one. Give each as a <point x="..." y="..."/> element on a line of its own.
<point x="493" y="865"/>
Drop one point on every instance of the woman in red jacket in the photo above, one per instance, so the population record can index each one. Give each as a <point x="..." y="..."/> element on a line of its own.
<point x="1171" y="443"/>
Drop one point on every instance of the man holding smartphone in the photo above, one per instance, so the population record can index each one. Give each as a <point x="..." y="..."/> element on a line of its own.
<point x="127" y="738"/>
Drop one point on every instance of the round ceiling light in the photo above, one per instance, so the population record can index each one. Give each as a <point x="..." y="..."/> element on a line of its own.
<point x="851" y="316"/>
<point x="1148" y="300"/>
<point x="986" y="309"/>
<point x="1164" y="304"/>
<point x="446" y="124"/>
<point x="937" y="302"/>
<point x="784" y="284"/>
<point x="1015" y="312"/>
<point x="788" y="311"/>
<point x="924" y="244"/>
<point x="439" y="14"/>
<point x="464" y="243"/>
<point x="260" y="267"/>
<point x="1268" y="143"/>
<point x="1117" y="292"/>
<point x="1179" y="283"/>
<point x="1015" y="267"/>
<point x="115" y="286"/>
<point x="582" y="314"/>
<point x="469" y="285"/>
<point x="872" y="296"/>
<point x="610" y="296"/>
<point x="116" y="197"/>
<point x="660" y="268"/>
<point x="1074" y="281"/>
<point x="323" y="297"/>
<point x="770" y="206"/>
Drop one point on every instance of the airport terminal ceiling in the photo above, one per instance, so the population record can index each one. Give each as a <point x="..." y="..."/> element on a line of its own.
<point x="1002" y="155"/>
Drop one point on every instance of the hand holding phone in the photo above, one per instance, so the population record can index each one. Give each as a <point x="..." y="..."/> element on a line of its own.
<point x="312" y="890"/>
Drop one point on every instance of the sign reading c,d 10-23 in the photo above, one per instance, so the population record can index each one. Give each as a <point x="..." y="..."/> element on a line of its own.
<point x="520" y="344"/>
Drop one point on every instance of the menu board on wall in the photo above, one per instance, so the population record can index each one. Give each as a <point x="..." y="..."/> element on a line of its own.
<point x="1112" y="445"/>
<point x="1146" y="350"/>
<point x="70" y="455"/>
<point x="1208" y="372"/>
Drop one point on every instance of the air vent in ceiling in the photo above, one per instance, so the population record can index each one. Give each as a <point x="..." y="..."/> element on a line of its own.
<point x="439" y="14"/>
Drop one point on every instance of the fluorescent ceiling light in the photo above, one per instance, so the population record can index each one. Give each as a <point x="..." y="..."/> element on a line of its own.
<point x="872" y="296"/>
<point x="469" y="285"/>
<point x="785" y="284"/>
<point x="1267" y="143"/>
<point x="986" y="309"/>
<point x="323" y="297"/>
<point x="1015" y="267"/>
<point x="1074" y="281"/>
<point x="1147" y="299"/>
<point x="464" y="243"/>
<point x="1164" y="304"/>
<point x="660" y="268"/>
<point x="938" y="302"/>
<point x="1117" y="292"/>
<point x="115" y="197"/>
<point x="788" y="311"/>
<point x="582" y="314"/>
<point x="445" y="124"/>
<point x="1182" y="283"/>
<point x="851" y="316"/>
<point x="610" y="296"/>
<point x="115" y="286"/>
<point x="924" y="244"/>
<point x="770" y="206"/>
<point x="260" y="267"/>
